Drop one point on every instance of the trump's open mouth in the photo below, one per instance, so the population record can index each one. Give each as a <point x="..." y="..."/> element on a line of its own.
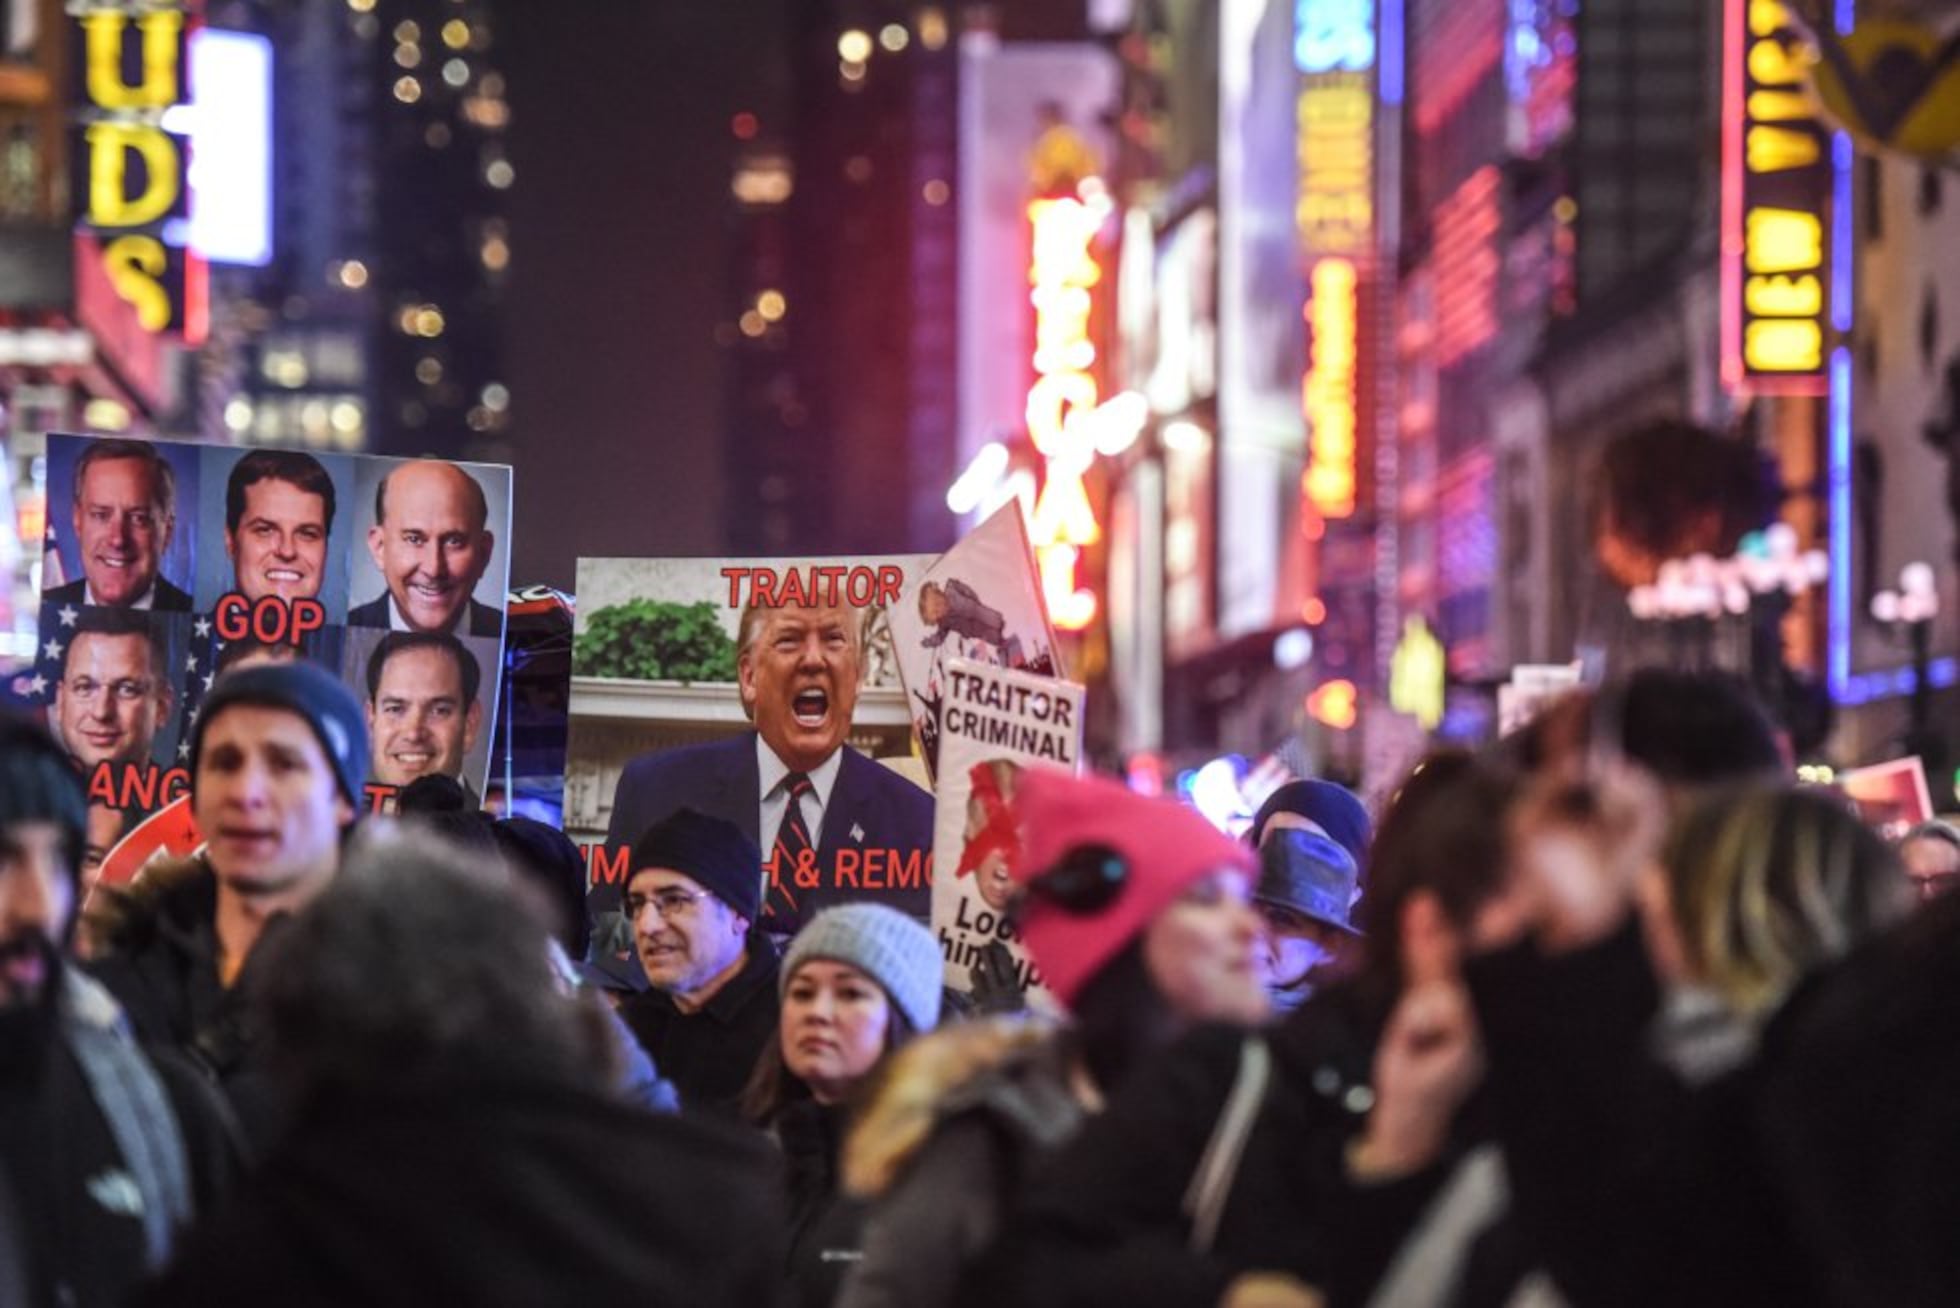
<point x="810" y="707"/>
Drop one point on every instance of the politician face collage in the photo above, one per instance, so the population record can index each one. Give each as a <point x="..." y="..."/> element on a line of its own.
<point x="168" y="565"/>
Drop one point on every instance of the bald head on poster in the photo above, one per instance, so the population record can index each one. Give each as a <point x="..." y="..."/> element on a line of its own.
<point x="431" y="542"/>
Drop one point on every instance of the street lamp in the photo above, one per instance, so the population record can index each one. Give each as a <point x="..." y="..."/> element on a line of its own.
<point x="1757" y="583"/>
<point x="1913" y="607"/>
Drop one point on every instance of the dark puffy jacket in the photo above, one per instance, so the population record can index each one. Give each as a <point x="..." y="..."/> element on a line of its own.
<point x="1104" y="1221"/>
<point x="493" y="1187"/>
<point x="154" y="944"/>
<point x="941" y="1151"/>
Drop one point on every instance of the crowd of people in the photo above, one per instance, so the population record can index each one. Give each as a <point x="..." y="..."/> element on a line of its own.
<point x="1610" y="1012"/>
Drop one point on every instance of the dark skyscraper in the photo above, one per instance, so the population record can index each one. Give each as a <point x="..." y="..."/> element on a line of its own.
<point x="839" y="317"/>
<point x="377" y="328"/>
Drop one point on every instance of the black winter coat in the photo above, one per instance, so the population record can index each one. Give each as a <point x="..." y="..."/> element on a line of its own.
<point x="156" y="951"/>
<point x="1824" y="1172"/>
<point x="1103" y="1221"/>
<point x="493" y="1188"/>
<point x="825" y="1225"/>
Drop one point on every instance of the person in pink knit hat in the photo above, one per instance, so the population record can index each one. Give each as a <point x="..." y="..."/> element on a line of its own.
<point x="1138" y="915"/>
<point x="1138" y="900"/>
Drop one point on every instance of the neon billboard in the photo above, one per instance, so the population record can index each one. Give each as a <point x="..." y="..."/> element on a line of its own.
<point x="1777" y="182"/>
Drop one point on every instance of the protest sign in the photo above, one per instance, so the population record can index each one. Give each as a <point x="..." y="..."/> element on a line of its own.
<point x="167" y="564"/>
<point x="1532" y="688"/>
<point x="1891" y="797"/>
<point x="980" y="601"/>
<point x="713" y="684"/>
<point x="995" y="722"/>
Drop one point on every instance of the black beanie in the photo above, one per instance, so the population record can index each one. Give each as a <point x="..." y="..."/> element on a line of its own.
<point x="546" y="857"/>
<point x="713" y="852"/>
<point x="38" y="784"/>
<point x="440" y="804"/>
<point x="315" y="695"/>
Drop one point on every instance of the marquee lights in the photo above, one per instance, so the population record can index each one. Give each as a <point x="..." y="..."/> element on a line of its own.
<point x="1335" y="50"/>
<point x="1328" y="396"/>
<point x="1776" y="196"/>
<point x="1063" y="273"/>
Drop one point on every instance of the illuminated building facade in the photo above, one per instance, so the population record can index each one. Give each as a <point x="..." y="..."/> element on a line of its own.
<point x="839" y="313"/>
<point x="376" y="326"/>
<point x="1559" y="288"/>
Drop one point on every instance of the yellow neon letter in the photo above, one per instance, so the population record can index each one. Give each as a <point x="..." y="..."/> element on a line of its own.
<point x="1783" y="240"/>
<point x="103" y="31"/>
<point x="1783" y="345"/>
<point x="108" y="206"/>
<point x="134" y="263"/>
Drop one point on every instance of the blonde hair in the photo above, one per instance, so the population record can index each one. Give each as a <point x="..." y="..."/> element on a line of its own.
<point x="1768" y="884"/>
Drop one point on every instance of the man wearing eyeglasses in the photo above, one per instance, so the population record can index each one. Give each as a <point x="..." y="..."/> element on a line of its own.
<point x="692" y="897"/>
<point x="836" y="823"/>
<point x="114" y="694"/>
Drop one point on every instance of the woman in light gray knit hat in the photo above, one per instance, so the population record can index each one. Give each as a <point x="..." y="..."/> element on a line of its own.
<point x="859" y="980"/>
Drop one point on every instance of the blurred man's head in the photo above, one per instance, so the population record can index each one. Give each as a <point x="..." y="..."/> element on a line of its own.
<point x="277" y="759"/>
<point x="115" y="693"/>
<point x="349" y="1010"/>
<point x="279" y="507"/>
<point x="430" y="541"/>
<point x="250" y="652"/>
<point x="422" y="711"/>
<point x="125" y="508"/>
<point x="798" y="669"/>
<point x="42" y="815"/>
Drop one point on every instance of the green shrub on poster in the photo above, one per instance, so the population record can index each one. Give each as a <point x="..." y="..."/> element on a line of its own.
<point x="654" y="640"/>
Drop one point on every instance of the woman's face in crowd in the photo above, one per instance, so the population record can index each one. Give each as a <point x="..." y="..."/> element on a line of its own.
<point x="833" y="1027"/>
<point x="1203" y="952"/>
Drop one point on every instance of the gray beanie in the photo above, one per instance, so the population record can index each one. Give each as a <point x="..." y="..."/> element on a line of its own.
<point x="885" y="945"/>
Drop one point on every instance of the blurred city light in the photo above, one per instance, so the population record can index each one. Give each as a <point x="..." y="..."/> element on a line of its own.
<point x="231" y="147"/>
<point x="1333" y="704"/>
<point x="854" y="46"/>
<point x="985" y="472"/>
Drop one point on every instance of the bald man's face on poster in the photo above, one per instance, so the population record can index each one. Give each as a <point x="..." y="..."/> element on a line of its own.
<point x="430" y="542"/>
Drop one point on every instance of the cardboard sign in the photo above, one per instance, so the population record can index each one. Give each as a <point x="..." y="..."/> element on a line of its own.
<point x="168" y="564"/>
<point x="1891" y="797"/>
<point x="981" y="601"/>
<point x="995" y="722"/>
<point x="706" y="683"/>
<point x="1531" y="689"/>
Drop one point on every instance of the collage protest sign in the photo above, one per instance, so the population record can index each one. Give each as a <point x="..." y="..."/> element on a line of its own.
<point x="167" y="564"/>
<point x="707" y="683"/>
<point x="981" y="600"/>
<point x="994" y="723"/>
<point x="1891" y="797"/>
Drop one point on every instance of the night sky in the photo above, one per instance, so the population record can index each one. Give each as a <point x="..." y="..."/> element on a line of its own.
<point x="619" y="136"/>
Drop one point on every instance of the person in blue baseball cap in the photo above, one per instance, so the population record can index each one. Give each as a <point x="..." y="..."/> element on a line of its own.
<point x="1312" y="837"/>
<point x="277" y="761"/>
